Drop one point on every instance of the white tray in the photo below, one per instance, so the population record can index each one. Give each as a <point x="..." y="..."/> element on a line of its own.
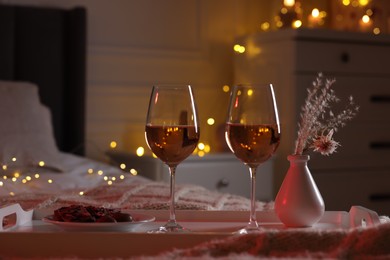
<point x="39" y="239"/>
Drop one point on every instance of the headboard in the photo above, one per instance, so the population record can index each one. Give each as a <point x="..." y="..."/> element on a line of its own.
<point x="47" y="46"/>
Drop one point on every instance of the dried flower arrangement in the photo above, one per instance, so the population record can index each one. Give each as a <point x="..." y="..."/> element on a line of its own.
<point x="318" y="122"/>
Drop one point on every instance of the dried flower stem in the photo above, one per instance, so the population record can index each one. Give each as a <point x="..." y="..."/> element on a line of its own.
<point x="316" y="116"/>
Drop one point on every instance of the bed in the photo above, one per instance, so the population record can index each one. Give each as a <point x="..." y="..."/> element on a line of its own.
<point x="42" y="106"/>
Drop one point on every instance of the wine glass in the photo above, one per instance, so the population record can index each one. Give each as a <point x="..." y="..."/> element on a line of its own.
<point x="252" y="133"/>
<point x="172" y="133"/>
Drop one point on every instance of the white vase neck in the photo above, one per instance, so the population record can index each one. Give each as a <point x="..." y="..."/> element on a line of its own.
<point x="298" y="158"/>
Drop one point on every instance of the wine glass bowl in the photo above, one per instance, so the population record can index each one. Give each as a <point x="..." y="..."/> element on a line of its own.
<point x="172" y="144"/>
<point x="252" y="132"/>
<point x="252" y="144"/>
<point x="172" y="134"/>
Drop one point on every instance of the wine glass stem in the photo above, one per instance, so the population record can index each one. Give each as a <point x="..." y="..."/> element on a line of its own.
<point x="172" y="215"/>
<point x="252" y="220"/>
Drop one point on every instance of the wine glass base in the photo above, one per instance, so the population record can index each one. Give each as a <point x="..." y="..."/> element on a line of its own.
<point x="170" y="228"/>
<point x="248" y="230"/>
<point x="251" y="227"/>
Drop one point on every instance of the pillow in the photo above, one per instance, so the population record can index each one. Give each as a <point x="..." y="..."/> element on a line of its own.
<point x="26" y="131"/>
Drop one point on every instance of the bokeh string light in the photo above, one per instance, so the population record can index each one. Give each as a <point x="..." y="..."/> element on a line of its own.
<point x="296" y="14"/>
<point x="11" y="179"/>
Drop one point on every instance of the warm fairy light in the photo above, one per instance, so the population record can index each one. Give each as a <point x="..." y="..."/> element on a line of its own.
<point x="279" y="24"/>
<point x="210" y="121"/>
<point x="369" y="12"/>
<point x="140" y="151"/>
<point x="355" y="3"/>
<point x="316" y="18"/>
<point x="239" y="48"/>
<point x="122" y="166"/>
<point x="133" y="172"/>
<point x="13" y="159"/>
<point x="376" y="31"/>
<point x="265" y="26"/>
<point x="315" y="12"/>
<point x="41" y="163"/>
<point x="12" y="193"/>
<point x="202" y="149"/>
<point x="363" y="2"/>
<point x="366" y="24"/>
<point x="249" y="92"/>
<point x="284" y="10"/>
<point x="16" y="177"/>
<point x="297" y="23"/>
<point x="113" y="144"/>
<point x="225" y="88"/>
<point x="5" y="167"/>
<point x="365" y="19"/>
<point x="289" y="3"/>
<point x="346" y="2"/>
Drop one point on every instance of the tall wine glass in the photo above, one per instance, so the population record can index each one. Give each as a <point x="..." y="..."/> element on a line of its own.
<point x="172" y="134"/>
<point x="252" y="133"/>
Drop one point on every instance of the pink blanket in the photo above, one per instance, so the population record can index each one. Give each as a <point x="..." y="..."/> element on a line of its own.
<point x="359" y="243"/>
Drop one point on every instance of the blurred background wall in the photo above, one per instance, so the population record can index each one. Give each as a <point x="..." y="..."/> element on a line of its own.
<point x="135" y="44"/>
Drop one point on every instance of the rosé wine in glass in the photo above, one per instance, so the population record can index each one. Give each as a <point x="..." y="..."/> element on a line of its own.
<point x="252" y="133"/>
<point x="172" y="133"/>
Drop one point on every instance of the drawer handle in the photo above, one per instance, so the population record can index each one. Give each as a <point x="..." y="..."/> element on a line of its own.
<point x="380" y="99"/>
<point x="380" y="197"/>
<point x="345" y="57"/>
<point x="223" y="183"/>
<point x="380" y="145"/>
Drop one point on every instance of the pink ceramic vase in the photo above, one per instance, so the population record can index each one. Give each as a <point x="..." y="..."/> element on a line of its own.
<point x="299" y="202"/>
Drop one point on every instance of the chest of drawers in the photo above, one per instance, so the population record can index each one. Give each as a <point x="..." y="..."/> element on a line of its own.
<point x="359" y="173"/>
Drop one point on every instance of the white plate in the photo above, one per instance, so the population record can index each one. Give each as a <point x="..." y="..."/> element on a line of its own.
<point x="138" y="219"/>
